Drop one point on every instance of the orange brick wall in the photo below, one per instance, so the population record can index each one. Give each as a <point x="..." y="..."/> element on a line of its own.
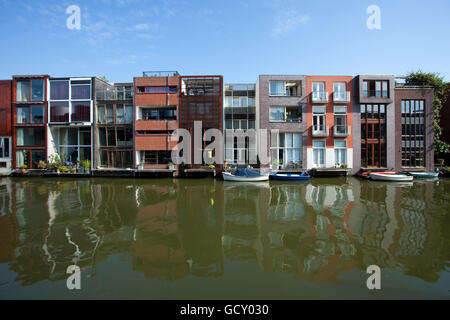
<point x="329" y="116"/>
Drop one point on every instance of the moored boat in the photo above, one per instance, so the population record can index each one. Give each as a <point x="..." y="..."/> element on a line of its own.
<point x="423" y="175"/>
<point x="244" y="175"/>
<point x="390" y="176"/>
<point x="290" y="176"/>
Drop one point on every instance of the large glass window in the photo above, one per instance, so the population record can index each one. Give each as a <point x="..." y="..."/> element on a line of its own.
<point x="37" y="90"/>
<point x="285" y="114"/>
<point x="59" y="90"/>
<point x="30" y="137"/>
<point x="413" y="133"/>
<point x="81" y="111"/>
<point x="74" y="144"/>
<point x="23" y="90"/>
<point x="277" y="88"/>
<point x="23" y="114"/>
<point x="59" y="111"/>
<point x="318" y="153"/>
<point x="81" y="91"/>
<point x="339" y="92"/>
<point x="286" y="150"/>
<point x="165" y="113"/>
<point x="4" y="147"/>
<point x="340" y="151"/>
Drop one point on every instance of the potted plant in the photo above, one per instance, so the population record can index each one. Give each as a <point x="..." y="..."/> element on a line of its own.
<point x="87" y="166"/>
<point x="336" y="165"/>
<point x="73" y="169"/>
<point x="141" y="166"/>
<point x="23" y="168"/>
<point x="42" y="165"/>
<point x="171" y="166"/>
<point x="55" y="162"/>
<point x="212" y="167"/>
<point x="344" y="166"/>
<point x="64" y="169"/>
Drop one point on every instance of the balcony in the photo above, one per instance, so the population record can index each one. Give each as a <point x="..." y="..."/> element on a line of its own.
<point x="320" y="131"/>
<point x="320" y="96"/>
<point x="341" y="130"/>
<point x="113" y="95"/>
<point x="160" y="74"/>
<point x="342" y="97"/>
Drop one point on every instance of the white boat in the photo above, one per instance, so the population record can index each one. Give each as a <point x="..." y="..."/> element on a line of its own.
<point x="390" y="177"/>
<point x="245" y="175"/>
<point x="230" y="177"/>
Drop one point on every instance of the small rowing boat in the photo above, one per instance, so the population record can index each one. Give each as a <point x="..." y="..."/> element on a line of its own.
<point x="290" y="176"/>
<point x="245" y="175"/>
<point x="390" y="176"/>
<point x="422" y="175"/>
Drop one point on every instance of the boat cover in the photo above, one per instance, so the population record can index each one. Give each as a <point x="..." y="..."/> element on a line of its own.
<point x="241" y="172"/>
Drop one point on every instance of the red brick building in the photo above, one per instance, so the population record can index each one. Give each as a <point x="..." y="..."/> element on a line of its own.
<point x="5" y="126"/>
<point x="156" y="117"/>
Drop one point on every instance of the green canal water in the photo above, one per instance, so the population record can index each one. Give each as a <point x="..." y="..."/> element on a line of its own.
<point x="207" y="239"/>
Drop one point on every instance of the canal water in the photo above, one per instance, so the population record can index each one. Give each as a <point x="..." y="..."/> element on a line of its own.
<point x="207" y="239"/>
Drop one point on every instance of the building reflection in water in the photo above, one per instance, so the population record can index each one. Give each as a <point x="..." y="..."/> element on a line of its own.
<point x="171" y="229"/>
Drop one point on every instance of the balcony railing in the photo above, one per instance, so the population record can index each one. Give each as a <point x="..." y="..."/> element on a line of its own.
<point x="320" y="96"/>
<point x="375" y="94"/>
<point x="341" y="130"/>
<point x="341" y="96"/>
<point x="160" y="74"/>
<point x="113" y="95"/>
<point x="320" y="131"/>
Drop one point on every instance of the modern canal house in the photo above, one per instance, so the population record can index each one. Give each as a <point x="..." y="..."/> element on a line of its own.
<point x="29" y="96"/>
<point x="329" y="120"/>
<point x="70" y="118"/>
<point x="113" y="128"/>
<point x="201" y="100"/>
<point x="156" y="117"/>
<point x="281" y="105"/>
<point x="376" y="138"/>
<point x="239" y="114"/>
<point x="414" y="136"/>
<point x="5" y="127"/>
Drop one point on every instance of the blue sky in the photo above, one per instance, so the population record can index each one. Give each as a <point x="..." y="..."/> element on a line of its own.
<point x="237" y="39"/>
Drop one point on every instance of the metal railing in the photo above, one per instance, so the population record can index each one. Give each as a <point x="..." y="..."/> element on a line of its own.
<point x="113" y="95"/>
<point x="341" y="130"/>
<point x="160" y="74"/>
<point x="320" y="130"/>
<point x="341" y="96"/>
<point x="320" y="96"/>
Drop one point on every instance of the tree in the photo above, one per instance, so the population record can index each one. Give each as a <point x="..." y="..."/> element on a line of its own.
<point x="434" y="80"/>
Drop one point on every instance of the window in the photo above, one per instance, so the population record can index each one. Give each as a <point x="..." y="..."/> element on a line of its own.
<point x="277" y="88"/>
<point x="31" y="137"/>
<point x="318" y="153"/>
<point x="376" y="88"/>
<point x="340" y="151"/>
<point x="413" y="133"/>
<point x="82" y="92"/>
<point x="59" y="90"/>
<point x="340" y="119"/>
<point x="157" y="89"/>
<point x="164" y="113"/>
<point x="319" y="119"/>
<point x="30" y="114"/>
<point x="30" y="158"/>
<point x="23" y="90"/>
<point x="285" y="114"/>
<point x="156" y="157"/>
<point x="4" y="147"/>
<point x="285" y="88"/>
<point x="37" y="90"/>
<point x="59" y="111"/>
<point x="74" y="144"/>
<point x="286" y="150"/>
<point x="318" y="90"/>
<point x="339" y="91"/>
<point x="81" y="111"/>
